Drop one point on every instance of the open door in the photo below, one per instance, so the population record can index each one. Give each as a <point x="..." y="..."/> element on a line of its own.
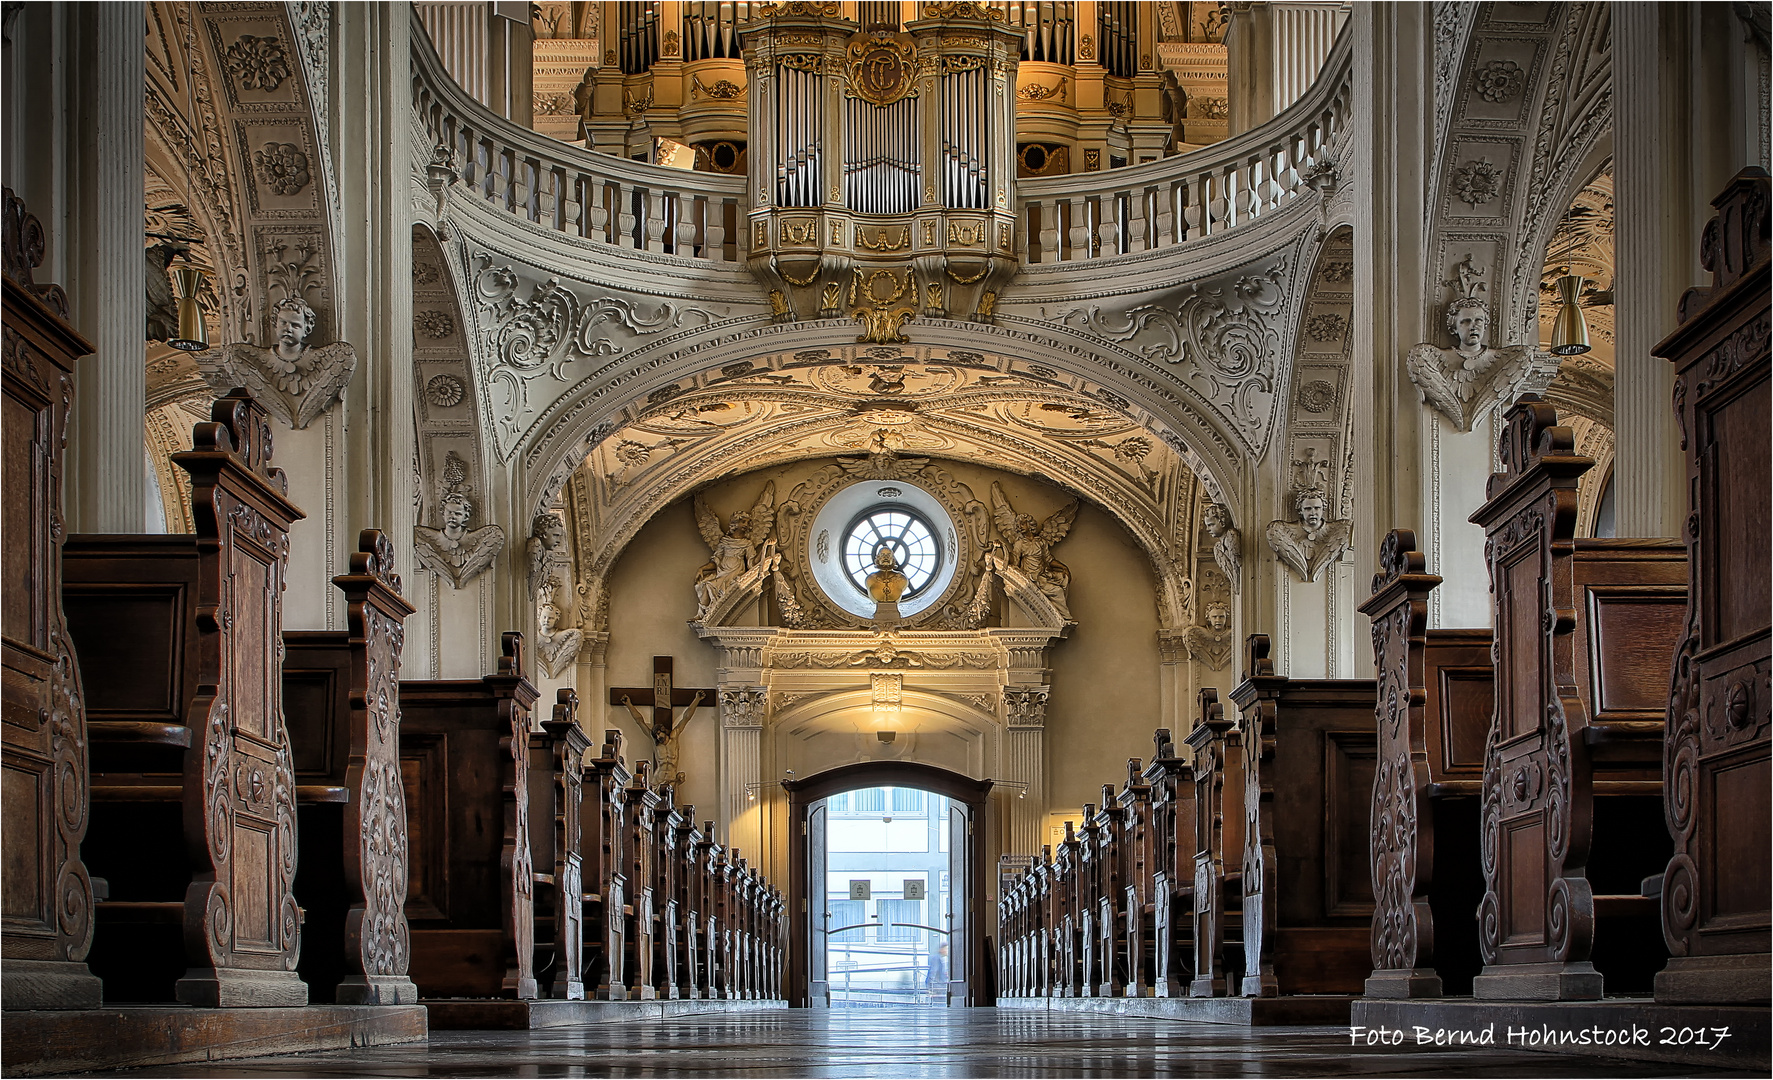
<point x="960" y="900"/>
<point x="818" y="917"/>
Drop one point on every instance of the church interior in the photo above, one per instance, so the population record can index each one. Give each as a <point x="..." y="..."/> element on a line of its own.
<point x="886" y="538"/>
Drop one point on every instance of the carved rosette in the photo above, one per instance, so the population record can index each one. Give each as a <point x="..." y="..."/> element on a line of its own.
<point x="377" y="939"/>
<point x="1401" y="821"/>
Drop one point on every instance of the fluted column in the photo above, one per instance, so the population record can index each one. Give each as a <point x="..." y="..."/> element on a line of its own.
<point x="1025" y="709"/>
<point x="371" y="123"/>
<point x="1657" y="258"/>
<point x="107" y="478"/>
<point x="743" y="801"/>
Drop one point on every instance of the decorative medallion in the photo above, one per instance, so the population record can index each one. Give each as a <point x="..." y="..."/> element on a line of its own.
<point x="882" y="67"/>
<point x="1477" y="182"/>
<point x="1317" y="396"/>
<point x="1499" y="81"/>
<point x="436" y="324"/>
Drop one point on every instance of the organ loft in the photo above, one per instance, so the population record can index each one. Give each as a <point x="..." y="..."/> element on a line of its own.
<point x="663" y="534"/>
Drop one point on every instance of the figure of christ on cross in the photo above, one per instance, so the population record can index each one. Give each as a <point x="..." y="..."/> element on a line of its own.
<point x="664" y="728"/>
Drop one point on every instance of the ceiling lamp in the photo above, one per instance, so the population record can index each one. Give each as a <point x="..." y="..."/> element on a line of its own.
<point x="1569" y="334"/>
<point x="187" y="282"/>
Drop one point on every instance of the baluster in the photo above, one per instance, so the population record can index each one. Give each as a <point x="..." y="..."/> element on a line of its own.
<point x="1137" y="240"/>
<point x="655" y="219"/>
<point x="714" y="230"/>
<point x="1080" y="233"/>
<point x="1109" y="237"/>
<point x="625" y="221"/>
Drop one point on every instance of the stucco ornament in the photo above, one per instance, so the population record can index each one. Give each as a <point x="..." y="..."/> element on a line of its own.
<point x="1211" y="644"/>
<point x="742" y="558"/>
<point x="1228" y="543"/>
<point x="550" y="558"/>
<point x="457" y="552"/>
<point x="296" y="383"/>
<point x="1466" y="380"/>
<point x="556" y="648"/>
<point x="1311" y="542"/>
<point x="1028" y="549"/>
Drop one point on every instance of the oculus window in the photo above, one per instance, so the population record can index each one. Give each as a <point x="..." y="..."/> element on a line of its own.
<point x="906" y="532"/>
<point x="857" y="519"/>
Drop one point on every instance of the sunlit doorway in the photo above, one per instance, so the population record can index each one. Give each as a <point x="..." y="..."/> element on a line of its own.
<point x="885" y="868"/>
<point x="888" y="898"/>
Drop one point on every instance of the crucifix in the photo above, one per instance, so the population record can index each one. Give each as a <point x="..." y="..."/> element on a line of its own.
<point x="663" y="696"/>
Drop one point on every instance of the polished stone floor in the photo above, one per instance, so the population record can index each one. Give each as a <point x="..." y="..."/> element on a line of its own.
<point x="911" y="1042"/>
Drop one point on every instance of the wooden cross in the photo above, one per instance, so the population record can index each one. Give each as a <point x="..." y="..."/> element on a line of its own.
<point x="662" y="695"/>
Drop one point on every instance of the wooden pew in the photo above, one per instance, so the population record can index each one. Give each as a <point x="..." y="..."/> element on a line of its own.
<point x="1219" y="776"/>
<point x="639" y="804"/>
<point x="193" y="781"/>
<point x="1137" y="858"/>
<point x="666" y="905"/>
<point x="687" y="882"/>
<point x="1435" y="697"/>
<point x="1715" y="911"/>
<point x="1307" y="895"/>
<point x="601" y="817"/>
<point x="556" y="785"/>
<point x="1173" y="830"/>
<point x="708" y="854"/>
<point x="1068" y="944"/>
<point x="1575" y="719"/>
<point x="464" y="748"/>
<point x="48" y="918"/>
<point x="341" y="701"/>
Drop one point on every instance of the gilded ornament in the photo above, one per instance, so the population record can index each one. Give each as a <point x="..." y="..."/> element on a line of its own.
<point x="882" y="67"/>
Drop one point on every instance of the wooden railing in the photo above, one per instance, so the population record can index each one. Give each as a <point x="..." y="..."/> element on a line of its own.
<point x="1165" y="203"/>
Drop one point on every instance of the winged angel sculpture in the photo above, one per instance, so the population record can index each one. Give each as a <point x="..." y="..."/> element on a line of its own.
<point x="1030" y="546"/>
<point x="1465" y="380"/>
<point x="743" y="552"/>
<point x="295" y="382"/>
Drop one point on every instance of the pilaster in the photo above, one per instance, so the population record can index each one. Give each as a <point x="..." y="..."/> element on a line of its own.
<point x="107" y="483"/>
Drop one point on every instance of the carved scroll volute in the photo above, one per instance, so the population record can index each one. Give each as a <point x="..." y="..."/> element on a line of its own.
<point x="1537" y="778"/>
<point x="376" y="836"/>
<point x="1401" y="836"/>
<point x="48" y="906"/>
<point x="516" y="696"/>
<point x="239" y="788"/>
<point x="1255" y="698"/>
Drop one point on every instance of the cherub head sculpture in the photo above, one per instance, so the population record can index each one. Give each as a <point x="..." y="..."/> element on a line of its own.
<point x="1215" y="519"/>
<point x="457" y="512"/>
<point x="1468" y="321"/>
<point x="739" y="523"/>
<point x="295" y="322"/>
<point x="1218" y="615"/>
<point x="549" y="528"/>
<point x="1310" y="505"/>
<point x="1026" y="525"/>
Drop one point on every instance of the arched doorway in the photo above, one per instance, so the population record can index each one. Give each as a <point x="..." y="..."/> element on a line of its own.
<point x="966" y="805"/>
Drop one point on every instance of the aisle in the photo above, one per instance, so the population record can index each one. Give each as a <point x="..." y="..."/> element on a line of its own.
<point x="907" y="1042"/>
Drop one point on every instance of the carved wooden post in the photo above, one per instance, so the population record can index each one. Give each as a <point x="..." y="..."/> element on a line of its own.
<point x="666" y="901"/>
<point x="600" y="843"/>
<point x="567" y="744"/>
<point x="377" y="942"/>
<point x="689" y="895"/>
<point x="1401" y="833"/>
<point x="641" y="802"/>
<point x="1084" y="874"/>
<point x="242" y="927"/>
<point x="1715" y="913"/>
<point x="1219" y="827"/>
<point x="1255" y="698"/>
<point x="48" y="897"/>
<point x="1172" y="879"/>
<point x="707" y="852"/>
<point x="1136" y="867"/>
<point x="517" y="889"/>
<point x="1066" y="872"/>
<point x="1536" y="922"/>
